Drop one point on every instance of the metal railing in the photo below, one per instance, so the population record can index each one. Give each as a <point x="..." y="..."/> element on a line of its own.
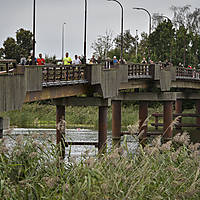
<point x="63" y="74"/>
<point x="137" y="71"/>
<point x="187" y="73"/>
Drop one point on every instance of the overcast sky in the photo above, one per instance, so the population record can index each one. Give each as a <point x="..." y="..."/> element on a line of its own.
<point x="102" y="16"/>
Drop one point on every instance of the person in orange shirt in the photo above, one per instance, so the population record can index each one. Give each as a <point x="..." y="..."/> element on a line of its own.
<point x="40" y="60"/>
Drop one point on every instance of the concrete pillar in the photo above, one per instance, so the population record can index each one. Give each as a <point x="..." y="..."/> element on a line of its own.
<point x="103" y="110"/>
<point x="1" y="127"/>
<point x="60" y="128"/>
<point x="143" y="115"/>
<point x="197" y="111"/>
<point x="116" y="122"/>
<point x="178" y="109"/>
<point x="167" y="120"/>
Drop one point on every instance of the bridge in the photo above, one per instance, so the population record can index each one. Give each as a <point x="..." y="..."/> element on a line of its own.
<point x="102" y="85"/>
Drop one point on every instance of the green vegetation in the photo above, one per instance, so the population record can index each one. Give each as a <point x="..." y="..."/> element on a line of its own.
<point x="32" y="170"/>
<point x="32" y="114"/>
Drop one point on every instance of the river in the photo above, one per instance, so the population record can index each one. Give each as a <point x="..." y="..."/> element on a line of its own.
<point x="71" y="135"/>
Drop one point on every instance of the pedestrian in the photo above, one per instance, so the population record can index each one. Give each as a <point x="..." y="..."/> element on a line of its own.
<point x="115" y="61"/>
<point x="76" y="60"/>
<point x="144" y="60"/>
<point x="23" y="60"/>
<point x="40" y="60"/>
<point x="93" y="60"/>
<point x="67" y="60"/>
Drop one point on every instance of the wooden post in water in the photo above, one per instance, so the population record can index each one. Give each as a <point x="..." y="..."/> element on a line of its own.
<point x="198" y="111"/>
<point x="178" y="109"/>
<point x="116" y="122"/>
<point x="1" y="127"/>
<point x="143" y="115"/>
<point x="167" y="120"/>
<point x="60" y="128"/>
<point x="103" y="110"/>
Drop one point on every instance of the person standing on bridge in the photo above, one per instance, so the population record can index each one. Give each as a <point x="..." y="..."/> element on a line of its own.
<point x="67" y="60"/>
<point x="76" y="61"/>
<point x="40" y="60"/>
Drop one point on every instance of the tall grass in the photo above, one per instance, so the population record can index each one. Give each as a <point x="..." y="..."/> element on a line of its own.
<point x="32" y="170"/>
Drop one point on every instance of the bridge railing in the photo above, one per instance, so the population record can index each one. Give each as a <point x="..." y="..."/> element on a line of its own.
<point x="187" y="73"/>
<point x="7" y="65"/>
<point x="62" y="73"/>
<point x="136" y="71"/>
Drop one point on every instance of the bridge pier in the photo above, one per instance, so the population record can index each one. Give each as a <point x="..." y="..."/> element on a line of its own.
<point x="60" y="128"/>
<point x="197" y="104"/>
<point x="116" y="123"/>
<point x="167" y="119"/>
<point x="102" y="132"/>
<point x="1" y="127"/>
<point x="143" y="115"/>
<point x="178" y="109"/>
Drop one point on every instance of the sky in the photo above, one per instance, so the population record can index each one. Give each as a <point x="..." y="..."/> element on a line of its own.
<point x="102" y="16"/>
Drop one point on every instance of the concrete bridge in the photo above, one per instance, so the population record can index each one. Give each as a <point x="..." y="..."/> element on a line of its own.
<point x="101" y="85"/>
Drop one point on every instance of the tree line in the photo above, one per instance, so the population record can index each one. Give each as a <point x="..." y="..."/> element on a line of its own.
<point x="177" y="40"/>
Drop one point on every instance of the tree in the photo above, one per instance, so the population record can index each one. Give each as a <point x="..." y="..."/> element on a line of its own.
<point x="102" y="45"/>
<point x="24" y="41"/>
<point x="12" y="49"/>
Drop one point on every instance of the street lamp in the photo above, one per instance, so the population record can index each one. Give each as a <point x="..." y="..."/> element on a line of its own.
<point x="122" y="22"/>
<point x="85" y="33"/>
<point x="149" y="17"/>
<point x="63" y="30"/>
<point x="33" y="56"/>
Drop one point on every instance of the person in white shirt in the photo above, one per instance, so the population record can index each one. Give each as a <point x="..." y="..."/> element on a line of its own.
<point x="76" y="61"/>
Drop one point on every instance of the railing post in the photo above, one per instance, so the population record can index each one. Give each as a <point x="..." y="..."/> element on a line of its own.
<point x="60" y="128"/>
<point x="167" y="120"/>
<point x="143" y="115"/>
<point x="1" y="127"/>
<point x="116" y="122"/>
<point x="102" y="129"/>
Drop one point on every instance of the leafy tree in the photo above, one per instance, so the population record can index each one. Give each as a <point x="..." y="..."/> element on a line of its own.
<point x="102" y="45"/>
<point x="24" y="41"/>
<point x="12" y="49"/>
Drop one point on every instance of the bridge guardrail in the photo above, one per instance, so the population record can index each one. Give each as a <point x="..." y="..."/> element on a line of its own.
<point x="64" y="73"/>
<point x="187" y="73"/>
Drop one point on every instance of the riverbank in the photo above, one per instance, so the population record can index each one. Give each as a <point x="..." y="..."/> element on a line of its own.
<point x="31" y="170"/>
<point x="37" y="115"/>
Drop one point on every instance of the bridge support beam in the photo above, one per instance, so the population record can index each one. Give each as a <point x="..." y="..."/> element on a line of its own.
<point x="60" y="128"/>
<point x="178" y="109"/>
<point x="197" y="111"/>
<point x="116" y="123"/>
<point x="1" y="127"/>
<point x="168" y="118"/>
<point x="102" y="132"/>
<point x="143" y="115"/>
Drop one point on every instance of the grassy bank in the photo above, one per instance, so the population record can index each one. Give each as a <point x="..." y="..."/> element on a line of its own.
<point x="160" y="171"/>
<point x="35" y="113"/>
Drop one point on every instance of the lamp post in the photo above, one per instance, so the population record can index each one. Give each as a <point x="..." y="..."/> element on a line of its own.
<point x="122" y="27"/>
<point x="136" y="47"/>
<point x="33" y="56"/>
<point x="63" y="31"/>
<point x="85" y="33"/>
<point x="149" y="17"/>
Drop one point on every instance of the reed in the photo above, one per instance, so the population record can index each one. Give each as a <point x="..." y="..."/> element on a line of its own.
<point x="33" y="170"/>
